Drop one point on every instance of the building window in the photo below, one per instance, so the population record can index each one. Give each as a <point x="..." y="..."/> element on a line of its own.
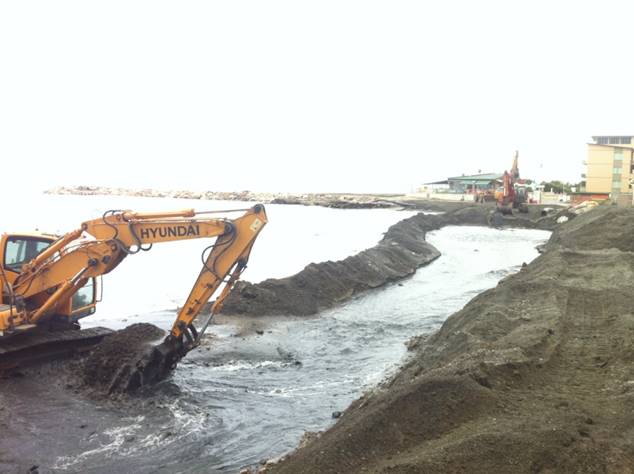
<point x="616" y="171"/>
<point x="616" y="185"/>
<point x="614" y="140"/>
<point x="618" y="155"/>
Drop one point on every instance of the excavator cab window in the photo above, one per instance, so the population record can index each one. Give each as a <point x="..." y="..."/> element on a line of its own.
<point x="20" y="250"/>
<point x="84" y="300"/>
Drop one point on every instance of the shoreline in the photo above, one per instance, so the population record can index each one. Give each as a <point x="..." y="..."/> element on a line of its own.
<point x="410" y="233"/>
<point x="533" y="375"/>
<point x="333" y="200"/>
<point x="399" y="254"/>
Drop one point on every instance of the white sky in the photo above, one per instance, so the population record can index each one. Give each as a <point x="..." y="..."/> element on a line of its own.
<point x="307" y="96"/>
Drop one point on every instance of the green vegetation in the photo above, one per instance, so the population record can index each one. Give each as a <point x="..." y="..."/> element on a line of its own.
<point x="560" y="187"/>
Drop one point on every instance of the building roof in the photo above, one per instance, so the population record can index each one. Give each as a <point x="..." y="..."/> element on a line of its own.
<point x="612" y="146"/>
<point x="477" y="177"/>
<point x="438" y="182"/>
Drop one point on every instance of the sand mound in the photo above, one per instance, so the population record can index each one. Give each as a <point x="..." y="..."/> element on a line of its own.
<point x="611" y="227"/>
<point x="532" y="376"/>
<point x="112" y="364"/>
<point x="402" y="250"/>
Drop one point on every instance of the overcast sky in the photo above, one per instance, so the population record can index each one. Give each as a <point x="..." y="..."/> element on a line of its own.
<point x="307" y="96"/>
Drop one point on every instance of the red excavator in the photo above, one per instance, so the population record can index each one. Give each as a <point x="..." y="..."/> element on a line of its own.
<point x="512" y="194"/>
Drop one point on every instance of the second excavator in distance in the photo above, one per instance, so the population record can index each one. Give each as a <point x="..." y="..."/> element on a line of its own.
<point x="50" y="282"/>
<point x="511" y="195"/>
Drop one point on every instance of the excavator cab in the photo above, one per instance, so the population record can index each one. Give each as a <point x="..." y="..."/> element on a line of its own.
<point x="20" y="249"/>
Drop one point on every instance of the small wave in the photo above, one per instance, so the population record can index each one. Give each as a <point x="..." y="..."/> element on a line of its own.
<point x="127" y="440"/>
<point x="237" y="365"/>
<point x="117" y="437"/>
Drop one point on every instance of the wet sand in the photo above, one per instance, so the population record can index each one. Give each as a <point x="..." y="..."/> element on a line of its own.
<point x="402" y="250"/>
<point x="532" y="376"/>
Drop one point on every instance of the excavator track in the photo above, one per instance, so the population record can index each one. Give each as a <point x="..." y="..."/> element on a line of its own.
<point x="40" y="346"/>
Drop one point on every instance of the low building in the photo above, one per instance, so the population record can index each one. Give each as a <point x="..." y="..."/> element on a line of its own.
<point x="475" y="183"/>
<point x="610" y="168"/>
<point x="460" y="188"/>
<point x="435" y="187"/>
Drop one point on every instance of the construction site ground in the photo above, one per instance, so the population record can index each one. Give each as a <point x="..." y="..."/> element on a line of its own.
<point x="533" y="376"/>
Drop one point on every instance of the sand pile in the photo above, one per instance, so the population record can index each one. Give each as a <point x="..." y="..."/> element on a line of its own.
<point x="536" y="375"/>
<point x="402" y="250"/>
<point x="112" y="366"/>
<point x="609" y="228"/>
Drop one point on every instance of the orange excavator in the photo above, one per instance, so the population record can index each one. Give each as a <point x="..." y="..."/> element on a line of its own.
<point x="50" y="282"/>
<point x="511" y="195"/>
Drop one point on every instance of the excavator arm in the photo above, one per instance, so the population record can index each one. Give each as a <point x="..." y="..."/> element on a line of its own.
<point x="49" y="281"/>
<point x="225" y="261"/>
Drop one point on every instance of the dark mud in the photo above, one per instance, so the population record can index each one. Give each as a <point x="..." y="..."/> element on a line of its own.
<point x="113" y="363"/>
<point x="533" y="376"/>
<point x="402" y="250"/>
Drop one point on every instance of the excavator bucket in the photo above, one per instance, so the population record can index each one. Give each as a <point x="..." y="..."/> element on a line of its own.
<point x="154" y="365"/>
<point x="130" y="359"/>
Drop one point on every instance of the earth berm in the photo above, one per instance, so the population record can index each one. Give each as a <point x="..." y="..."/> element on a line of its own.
<point x="400" y="252"/>
<point x="533" y="376"/>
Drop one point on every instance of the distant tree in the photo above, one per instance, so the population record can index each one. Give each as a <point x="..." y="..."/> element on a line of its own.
<point x="557" y="186"/>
